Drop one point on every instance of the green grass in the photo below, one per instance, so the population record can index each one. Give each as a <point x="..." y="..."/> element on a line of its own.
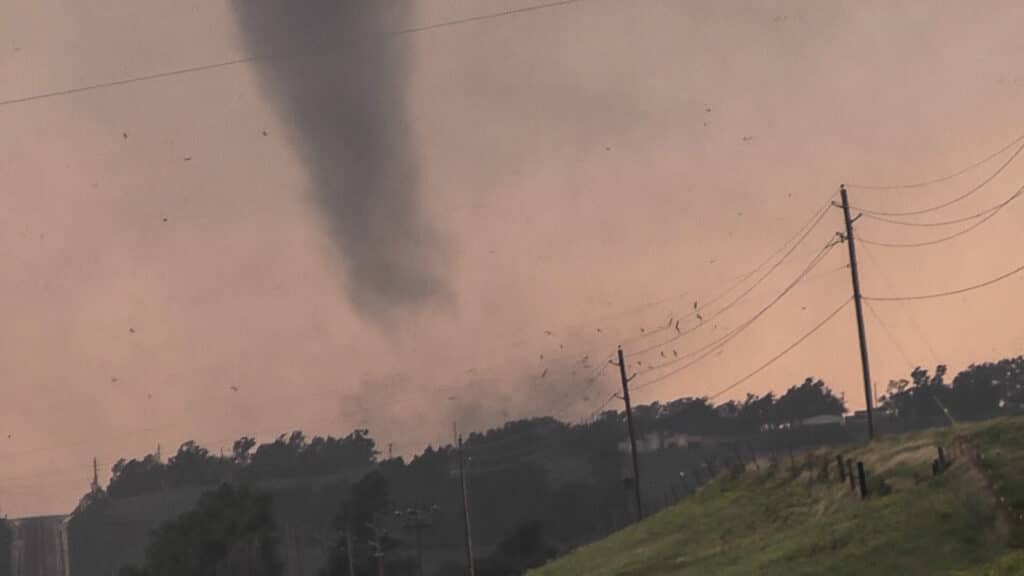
<point x="770" y="522"/>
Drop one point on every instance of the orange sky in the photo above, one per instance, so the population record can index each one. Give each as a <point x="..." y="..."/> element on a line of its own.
<point x="570" y="168"/>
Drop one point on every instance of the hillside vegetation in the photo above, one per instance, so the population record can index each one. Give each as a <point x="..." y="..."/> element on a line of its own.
<point x="791" y="518"/>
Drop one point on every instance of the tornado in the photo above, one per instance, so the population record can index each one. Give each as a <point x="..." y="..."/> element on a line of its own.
<point x="335" y="71"/>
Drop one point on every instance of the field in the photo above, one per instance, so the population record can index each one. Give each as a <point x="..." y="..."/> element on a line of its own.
<point x="795" y="517"/>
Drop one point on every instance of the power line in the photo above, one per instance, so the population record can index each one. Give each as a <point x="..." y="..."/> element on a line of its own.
<point x="602" y="406"/>
<point x="949" y="293"/>
<point x="715" y="346"/>
<point x="783" y="353"/>
<point x="253" y="58"/>
<point x="888" y="332"/>
<point x="995" y="208"/>
<point x="967" y="194"/>
<point x="804" y="233"/>
<point x="957" y="234"/>
<point x="960" y="172"/>
<point x="484" y="17"/>
<point x="130" y="80"/>
<point x="903" y="305"/>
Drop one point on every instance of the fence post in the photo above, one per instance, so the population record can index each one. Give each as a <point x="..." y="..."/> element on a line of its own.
<point x="849" y="472"/>
<point x="942" y="459"/>
<point x="863" y="481"/>
<point x="842" y="469"/>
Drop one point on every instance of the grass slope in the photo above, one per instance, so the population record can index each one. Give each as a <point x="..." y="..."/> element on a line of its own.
<point x="791" y="520"/>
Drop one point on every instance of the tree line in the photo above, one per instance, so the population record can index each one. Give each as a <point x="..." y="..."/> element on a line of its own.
<point x="539" y="486"/>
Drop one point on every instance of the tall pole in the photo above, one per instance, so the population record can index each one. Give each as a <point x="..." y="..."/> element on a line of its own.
<point x="465" y="509"/>
<point x="865" y="366"/>
<point x="632" y="438"/>
<point x="348" y="548"/>
<point x="419" y="549"/>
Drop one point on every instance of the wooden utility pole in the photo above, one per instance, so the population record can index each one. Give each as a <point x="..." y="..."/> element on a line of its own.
<point x="865" y="366"/>
<point x="465" y="510"/>
<point x="632" y="438"/>
<point x="348" y="548"/>
<point x="378" y="547"/>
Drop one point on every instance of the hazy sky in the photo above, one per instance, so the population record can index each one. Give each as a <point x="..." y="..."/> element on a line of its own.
<point x="558" y="167"/>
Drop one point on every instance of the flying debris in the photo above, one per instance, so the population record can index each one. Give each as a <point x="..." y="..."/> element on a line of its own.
<point x="699" y="317"/>
<point x="598" y="330"/>
<point x="131" y="330"/>
<point x="264" y="132"/>
<point x="677" y="326"/>
<point x="124" y="135"/>
<point x="233" y="388"/>
<point x="544" y="373"/>
<point x="542" y="357"/>
<point x="561" y="346"/>
<point x="187" y="158"/>
<point x="642" y="330"/>
<point x="548" y="332"/>
<point x="694" y="304"/>
<point x="675" y="354"/>
<point x="662" y="353"/>
<point x="165" y="219"/>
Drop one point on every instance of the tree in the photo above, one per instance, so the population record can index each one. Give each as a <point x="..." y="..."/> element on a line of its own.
<point x="241" y="448"/>
<point x="525" y="548"/>
<point x="230" y="531"/>
<point x="812" y="398"/>
<point x="916" y="402"/>
<point x="367" y="499"/>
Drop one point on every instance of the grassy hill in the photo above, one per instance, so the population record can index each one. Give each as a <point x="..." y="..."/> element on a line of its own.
<point x="790" y="518"/>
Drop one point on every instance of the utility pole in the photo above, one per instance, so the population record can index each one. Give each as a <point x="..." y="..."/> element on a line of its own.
<point x="865" y="366"/>
<point x="348" y="547"/>
<point x="632" y="438"/>
<point x="378" y="547"/>
<point x="418" y="519"/>
<point x="465" y="509"/>
<point x="95" y="476"/>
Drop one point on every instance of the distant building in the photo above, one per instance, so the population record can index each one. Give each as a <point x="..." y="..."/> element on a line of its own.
<point x="823" y="420"/>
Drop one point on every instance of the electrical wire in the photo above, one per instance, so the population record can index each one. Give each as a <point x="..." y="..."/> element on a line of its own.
<point x="594" y="414"/>
<point x="957" y="234"/>
<point x="783" y="353"/>
<point x="804" y="233"/>
<point x="716" y="346"/>
<point x="254" y="58"/>
<point x="889" y="333"/>
<point x="484" y="17"/>
<point x="940" y="179"/>
<point x="984" y="212"/>
<point x="943" y="294"/>
<point x="963" y="196"/>
<point x="867" y="251"/>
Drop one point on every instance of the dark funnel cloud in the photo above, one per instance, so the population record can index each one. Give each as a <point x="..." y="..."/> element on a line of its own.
<point x="335" y="71"/>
